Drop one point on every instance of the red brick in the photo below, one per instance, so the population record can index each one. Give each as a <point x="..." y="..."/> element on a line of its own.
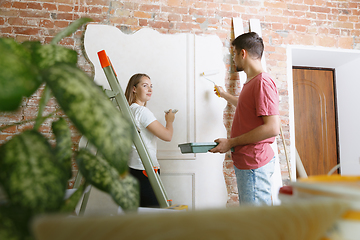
<point x="34" y="14"/>
<point x="97" y="2"/>
<point x="67" y="42"/>
<point x="19" y="5"/>
<point x="178" y="10"/>
<point x="34" y="5"/>
<point x="6" y="4"/>
<point x="65" y="16"/>
<point x="300" y="21"/>
<point x="12" y="129"/>
<point x="131" y="21"/>
<point x="65" y="8"/>
<point x="275" y="5"/>
<point x="26" y="30"/>
<point x="158" y="24"/>
<point x="297" y="7"/>
<point x="325" y="41"/>
<point x="96" y="10"/>
<point x="174" y="3"/>
<point x="226" y="14"/>
<point x="354" y="19"/>
<point x="26" y="126"/>
<point x="200" y="4"/>
<point x="226" y="7"/>
<point x="16" y="21"/>
<point x="323" y="30"/>
<point x="174" y="17"/>
<point x="149" y="8"/>
<point x="5" y="137"/>
<point x="49" y="6"/>
<point x="133" y="6"/>
<point x="23" y="38"/>
<point x="344" y="25"/>
<point x="186" y="18"/>
<point x="276" y="19"/>
<point x="201" y="20"/>
<point x="61" y="24"/>
<point x="239" y="9"/>
<point x="46" y="23"/>
<point x="197" y="12"/>
<point x="319" y="9"/>
<point x="214" y="21"/>
<point x="334" y="31"/>
<point x="82" y="9"/>
<point x="346" y="42"/>
<point x="343" y="18"/>
<point x="122" y="13"/>
<point x="301" y="28"/>
<point x="140" y="14"/>
<point x="9" y="13"/>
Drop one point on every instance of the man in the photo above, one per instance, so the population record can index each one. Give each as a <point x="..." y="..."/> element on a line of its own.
<point x="255" y="125"/>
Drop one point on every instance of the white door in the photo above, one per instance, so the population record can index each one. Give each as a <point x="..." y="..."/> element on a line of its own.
<point x="174" y="63"/>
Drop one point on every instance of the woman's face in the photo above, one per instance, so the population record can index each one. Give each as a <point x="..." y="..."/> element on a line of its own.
<point x="143" y="91"/>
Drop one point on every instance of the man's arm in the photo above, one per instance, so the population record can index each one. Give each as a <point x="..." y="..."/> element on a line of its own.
<point x="270" y="128"/>
<point x="227" y="96"/>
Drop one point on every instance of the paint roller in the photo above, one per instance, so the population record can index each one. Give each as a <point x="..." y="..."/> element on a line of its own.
<point x="209" y="73"/>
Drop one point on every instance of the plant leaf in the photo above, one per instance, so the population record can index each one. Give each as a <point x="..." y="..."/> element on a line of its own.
<point x="18" y="77"/>
<point x="92" y="113"/>
<point x="14" y="223"/>
<point x="70" y="203"/>
<point x="29" y="175"/>
<point x="70" y="29"/>
<point x="42" y="104"/>
<point x="45" y="56"/>
<point x="98" y="172"/>
<point x="63" y="151"/>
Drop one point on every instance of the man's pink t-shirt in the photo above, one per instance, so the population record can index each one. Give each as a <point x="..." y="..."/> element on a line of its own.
<point x="259" y="97"/>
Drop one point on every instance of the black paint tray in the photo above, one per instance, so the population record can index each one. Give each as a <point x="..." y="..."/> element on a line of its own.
<point x="202" y="147"/>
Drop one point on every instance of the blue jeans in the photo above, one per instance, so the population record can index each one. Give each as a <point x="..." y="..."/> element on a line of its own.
<point x="254" y="185"/>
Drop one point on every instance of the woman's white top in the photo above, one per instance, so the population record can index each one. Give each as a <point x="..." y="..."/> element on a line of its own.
<point x="143" y="117"/>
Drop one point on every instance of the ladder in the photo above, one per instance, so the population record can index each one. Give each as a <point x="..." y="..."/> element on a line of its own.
<point x="117" y="95"/>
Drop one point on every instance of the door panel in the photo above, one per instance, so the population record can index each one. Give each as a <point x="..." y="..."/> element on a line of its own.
<point x="315" y="119"/>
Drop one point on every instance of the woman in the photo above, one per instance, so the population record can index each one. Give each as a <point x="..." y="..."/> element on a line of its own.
<point x="138" y="92"/>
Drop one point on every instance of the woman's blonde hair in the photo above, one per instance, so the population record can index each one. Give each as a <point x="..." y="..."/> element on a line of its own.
<point x="133" y="82"/>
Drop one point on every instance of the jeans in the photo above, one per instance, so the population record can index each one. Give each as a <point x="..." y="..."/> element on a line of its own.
<point x="254" y="184"/>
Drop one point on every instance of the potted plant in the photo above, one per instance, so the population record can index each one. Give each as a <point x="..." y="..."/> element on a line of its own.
<point x="33" y="173"/>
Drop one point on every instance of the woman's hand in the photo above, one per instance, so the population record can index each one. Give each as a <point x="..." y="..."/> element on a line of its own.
<point x="170" y="116"/>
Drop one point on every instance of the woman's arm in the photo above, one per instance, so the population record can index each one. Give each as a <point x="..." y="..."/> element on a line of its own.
<point x="164" y="133"/>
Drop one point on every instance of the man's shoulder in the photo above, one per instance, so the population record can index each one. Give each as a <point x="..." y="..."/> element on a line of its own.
<point x="265" y="77"/>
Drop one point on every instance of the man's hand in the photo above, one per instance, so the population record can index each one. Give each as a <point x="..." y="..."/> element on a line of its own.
<point x="222" y="147"/>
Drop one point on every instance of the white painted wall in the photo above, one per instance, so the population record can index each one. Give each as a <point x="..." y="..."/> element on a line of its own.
<point x="348" y="102"/>
<point x="347" y="77"/>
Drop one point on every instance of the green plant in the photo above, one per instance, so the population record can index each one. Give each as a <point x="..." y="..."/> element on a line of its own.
<point x="34" y="174"/>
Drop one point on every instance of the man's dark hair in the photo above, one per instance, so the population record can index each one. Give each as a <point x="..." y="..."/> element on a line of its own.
<point x="251" y="42"/>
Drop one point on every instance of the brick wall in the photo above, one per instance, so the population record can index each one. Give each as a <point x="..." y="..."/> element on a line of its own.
<point x="332" y="23"/>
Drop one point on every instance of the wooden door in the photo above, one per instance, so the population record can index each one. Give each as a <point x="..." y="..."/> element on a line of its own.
<point x="315" y="119"/>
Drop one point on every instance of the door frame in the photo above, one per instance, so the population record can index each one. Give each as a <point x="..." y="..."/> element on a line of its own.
<point x="335" y="105"/>
<point x="298" y="55"/>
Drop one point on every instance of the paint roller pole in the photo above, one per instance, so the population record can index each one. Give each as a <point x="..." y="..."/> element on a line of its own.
<point x="208" y="73"/>
<point x="154" y="178"/>
<point x="286" y="155"/>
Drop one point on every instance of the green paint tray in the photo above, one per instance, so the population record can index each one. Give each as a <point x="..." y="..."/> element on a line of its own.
<point x="202" y="147"/>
